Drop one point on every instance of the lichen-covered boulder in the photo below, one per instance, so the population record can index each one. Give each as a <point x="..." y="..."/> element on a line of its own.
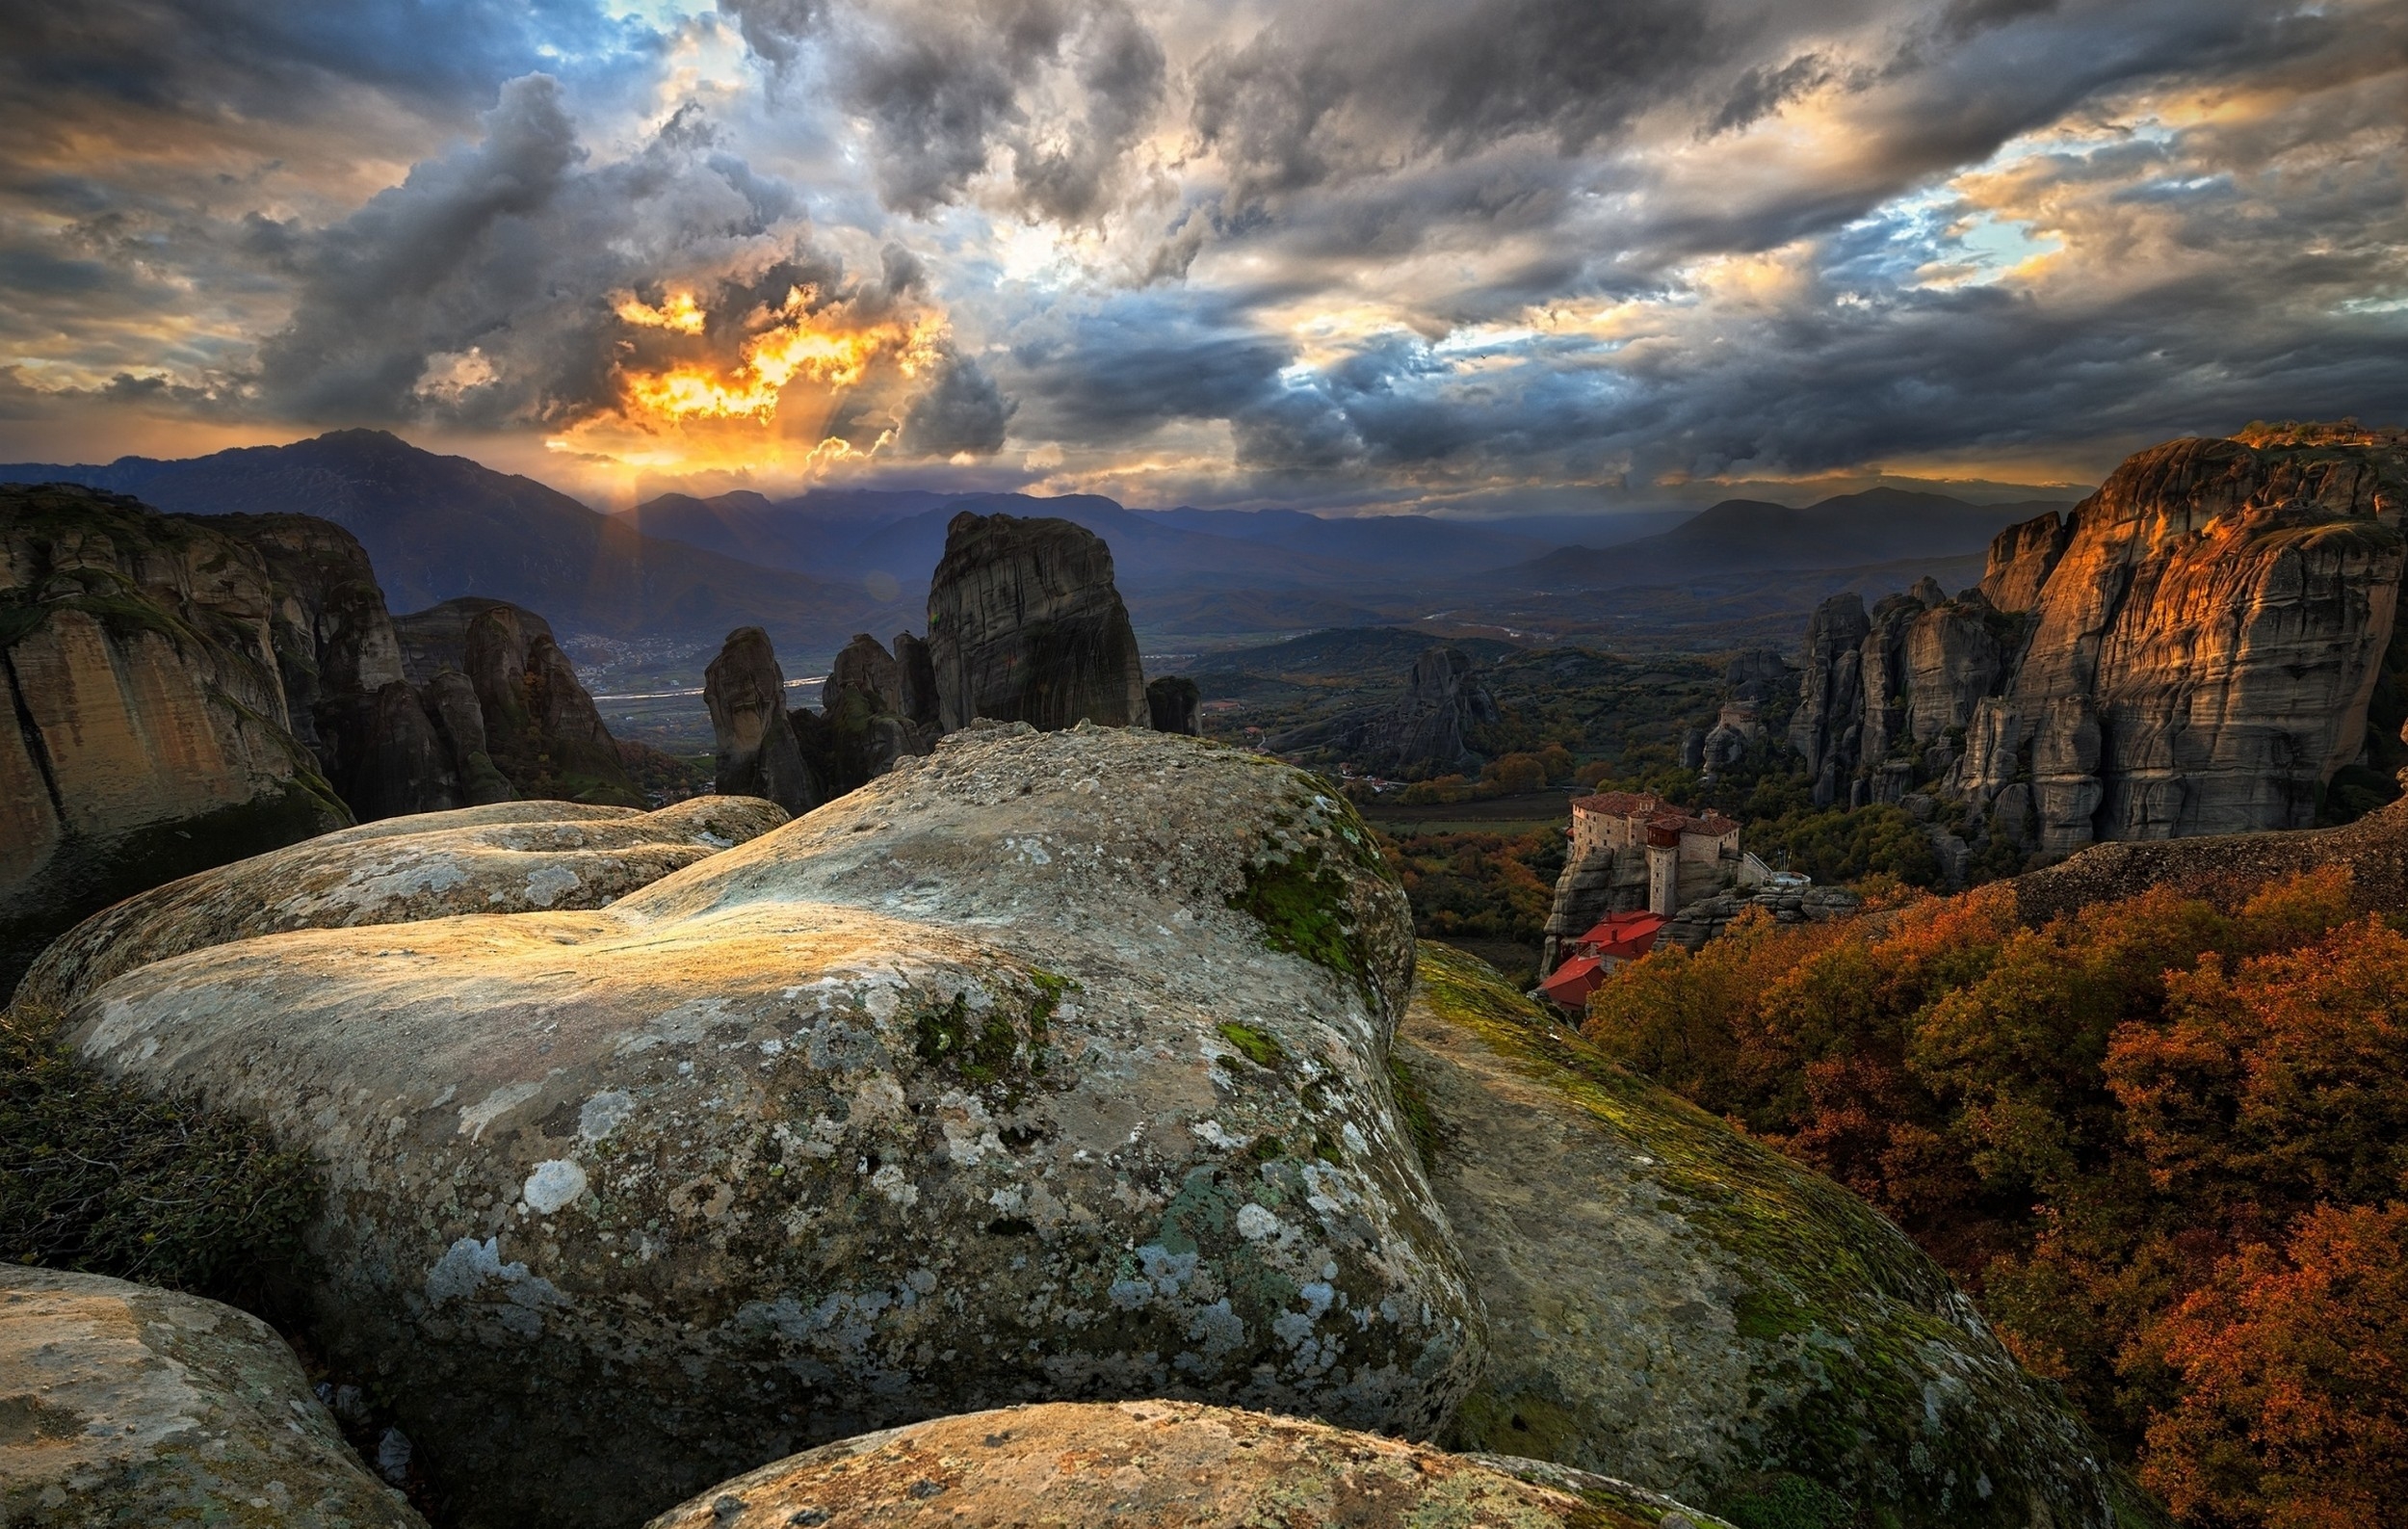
<point x="507" y="858"/>
<point x="1670" y="1303"/>
<point x="1046" y="1066"/>
<point x="125" y="1405"/>
<point x="1165" y="1466"/>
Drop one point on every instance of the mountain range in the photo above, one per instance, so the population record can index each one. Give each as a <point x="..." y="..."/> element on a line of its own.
<point x="817" y="567"/>
<point x="1741" y="535"/>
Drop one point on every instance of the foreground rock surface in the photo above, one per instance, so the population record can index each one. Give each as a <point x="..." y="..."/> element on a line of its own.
<point x="124" y="1405"/>
<point x="1049" y="1066"/>
<point x="508" y="858"/>
<point x="1164" y="1465"/>
<point x="1673" y="1304"/>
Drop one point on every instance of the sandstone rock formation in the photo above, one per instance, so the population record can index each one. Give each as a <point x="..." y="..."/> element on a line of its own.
<point x="2191" y="652"/>
<point x="148" y="733"/>
<point x="1755" y="683"/>
<point x="1669" y="1303"/>
<point x="1051" y="1065"/>
<point x="1174" y="704"/>
<point x="435" y="641"/>
<point x="918" y="671"/>
<point x="124" y="1405"/>
<point x="758" y="754"/>
<point x="541" y="730"/>
<point x="866" y="666"/>
<point x="1164" y="1465"/>
<point x="513" y="857"/>
<point x="1024" y="625"/>
<point x="1427" y="732"/>
<point x="2372" y="850"/>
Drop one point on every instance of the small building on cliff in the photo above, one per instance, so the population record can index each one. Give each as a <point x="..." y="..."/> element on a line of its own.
<point x="1615" y="939"/>
<point x="1633" y="852"/>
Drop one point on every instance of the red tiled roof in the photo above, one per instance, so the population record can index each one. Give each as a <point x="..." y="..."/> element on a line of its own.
<point x="1628" y="936"/>
<point x="1619" y="803"/>
<point x="1655" y="812"/>
<point x="1573" y="982"/>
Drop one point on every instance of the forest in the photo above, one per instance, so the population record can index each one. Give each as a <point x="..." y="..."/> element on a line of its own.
<point x="2163" y="1141"/>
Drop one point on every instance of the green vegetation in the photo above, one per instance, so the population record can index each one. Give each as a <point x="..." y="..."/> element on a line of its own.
<point x="1838" y="1305"/>
<point x="1259" y="1047"/>
<point x="1301" y="904"/>
<point x="98" y="1176"/>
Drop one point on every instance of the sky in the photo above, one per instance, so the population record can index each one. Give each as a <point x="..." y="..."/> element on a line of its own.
<point x="1452" y="255"/>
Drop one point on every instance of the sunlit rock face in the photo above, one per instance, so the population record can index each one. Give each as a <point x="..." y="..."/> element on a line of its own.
<point x="125" y="1404"/>
<point x="148" y="732"/>
<point x="1026" y="625"/>
<point x="1047" y="1065"/>
<point x="512" y="858"/>
<point x="1164" y="1465"/>
<point x="2191" y="652"/>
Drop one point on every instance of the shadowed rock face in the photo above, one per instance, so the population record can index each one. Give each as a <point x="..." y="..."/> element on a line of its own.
<point x="1425" y="732"/>
<point x="1674" y="1304"/>
<point x="124" y="1405"/>
<point x="1164" y="1465"/>
<point x="541" y="730"/>
<point x="2191" y="652"/>
<point x="758" y="752"/>
<point x="918" y="675"/>
<point x="1024" y="625"/>
<point x="1174" y="705"/>
<point x="1052" y="1063"/>
<point x="147" y="732"/>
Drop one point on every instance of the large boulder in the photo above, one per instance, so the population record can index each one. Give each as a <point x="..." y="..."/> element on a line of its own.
<point x="1024" y="625"/>
<point x="1046" y="1066"/>
<point x="1164" y="1465"/>
<point x="505" y="859"/>
<point x="121" y="1405"/>
<point x="1670" y="1304"/>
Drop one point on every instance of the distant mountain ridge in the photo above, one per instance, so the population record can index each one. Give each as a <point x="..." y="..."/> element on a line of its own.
<point x="1878" y="526"/>
<point x="440" y="527"/>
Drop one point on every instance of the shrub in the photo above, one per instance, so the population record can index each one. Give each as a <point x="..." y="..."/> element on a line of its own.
<point x="98" y="1176"/>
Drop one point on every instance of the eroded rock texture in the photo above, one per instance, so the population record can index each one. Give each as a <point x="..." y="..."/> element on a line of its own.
<point x="1051" y="1065"/>
<point x="1426" y="732"/>
<point x="1026" y="625"/>
<point x="147" y="732"/>
<point x="512" y="858"/>
<point x="2191" y="652"/>
<point x="1673" y="1304"/>
<point x="124" y="1405"/>
<point x="1174" y="704"/>
<point x="1165" y="1466"/>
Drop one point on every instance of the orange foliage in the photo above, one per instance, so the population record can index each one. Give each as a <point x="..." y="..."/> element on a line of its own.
<point x="2104" y="1125"/>
<point x="2295" y="1407"/>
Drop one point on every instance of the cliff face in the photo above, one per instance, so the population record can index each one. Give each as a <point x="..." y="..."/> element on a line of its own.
<point x="2191" y="652"/>
<point x="1024" y="625"/>
<point x="1429" y="731"/>
<point x="148" y="732"/>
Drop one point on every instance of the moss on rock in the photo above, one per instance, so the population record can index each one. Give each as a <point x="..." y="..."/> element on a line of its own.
<point x="1674" y="1303"/>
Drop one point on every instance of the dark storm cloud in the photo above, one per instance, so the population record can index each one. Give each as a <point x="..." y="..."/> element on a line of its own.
<point x="485" y="289"/>
<point x="962" y="411"/>
<point x="1116" y="370"/>
<point x="1331" y="91"/>
<point x="211" y="60"/>
<point x="946" y="84"/>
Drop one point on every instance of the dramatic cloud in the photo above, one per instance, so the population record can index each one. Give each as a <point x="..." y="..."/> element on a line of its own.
<point x="1370" y="249"/>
